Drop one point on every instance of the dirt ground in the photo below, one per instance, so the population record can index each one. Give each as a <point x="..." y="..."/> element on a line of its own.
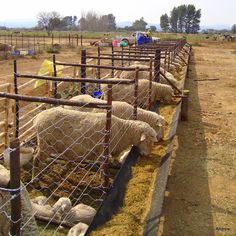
<point x="201" y="191"/>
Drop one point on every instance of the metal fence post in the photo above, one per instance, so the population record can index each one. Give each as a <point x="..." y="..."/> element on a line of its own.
<point x="157" y="64"/>
<point x="55" y="74"/>
<point x="105" y="165"/>
<point x="150" y="86"/>
<point x="83" y="71"/>
<point x="81" y="40"/>
<point x="99" y="62"/>
<point x="112" y="61"/>
<point x="15" y="186"/>
<point x="16" y="102"/>
<point x="136" y="94"/>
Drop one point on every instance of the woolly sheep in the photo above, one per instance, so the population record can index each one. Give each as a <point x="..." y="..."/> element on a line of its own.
<point x="62" y="205"/>
<point x="169" y="76"/>
<point x="30" y="228"/>
<point x="126" y="93"/>
<point x="146" y="74"/>
<point x="179" y="61"/>
<point x="26" y="154"/>
<point x="40" y="200"/>
<point x="78" y="230"/>
<point x="79" y="134"/>
<point x="44" y="211"/>
<point x="124" y="110"/>
<point x="80" y="213"/>
<point x="131" y="74"/>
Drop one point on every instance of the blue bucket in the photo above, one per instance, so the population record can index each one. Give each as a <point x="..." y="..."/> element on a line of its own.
<point x="15" y="53"/>
<point x="31" y="52"/>
<point x="97" y="94"/>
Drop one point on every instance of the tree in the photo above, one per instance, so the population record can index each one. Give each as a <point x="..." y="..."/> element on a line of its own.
<point x="174" y="20"/>
<point x="192" y="23"/>
<point x="91" y="21"/>
<point x="139" y="24"/>
<point x="184" y="18"/>
<point x="233" y="29"/>
<point x="182" y="10"/>
<point x="153" y="28"/>
<point x="111" y="22"/>
<point x="49" y="21"/>
<point x="164" y="23"/>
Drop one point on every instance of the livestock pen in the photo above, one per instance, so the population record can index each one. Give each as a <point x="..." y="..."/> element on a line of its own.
<point x="62" y="177"/>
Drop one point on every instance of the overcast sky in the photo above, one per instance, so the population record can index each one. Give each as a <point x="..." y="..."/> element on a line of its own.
<point x="213" y="11"/>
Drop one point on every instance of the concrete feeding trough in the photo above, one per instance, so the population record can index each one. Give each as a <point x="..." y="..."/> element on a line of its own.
<point x="115" y="195"/>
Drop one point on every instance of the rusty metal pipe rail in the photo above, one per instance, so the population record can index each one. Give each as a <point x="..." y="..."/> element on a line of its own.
<point x="69" y="79"/>
<point x="101" y="66"/>
<point x="133" y="57"/>
<point x="53" y="101"/>
<point x="116" y="59"/>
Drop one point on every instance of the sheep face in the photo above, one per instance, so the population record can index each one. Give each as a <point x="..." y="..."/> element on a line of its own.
<point x="160" y="131"/>
<point x="146" y="143"/>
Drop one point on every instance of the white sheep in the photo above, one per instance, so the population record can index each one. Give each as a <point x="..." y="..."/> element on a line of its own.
<point x="125" y="93"/>
<point x="79" y="135"/>
<point x="123" y="110"/>
<point x="169" y="76"/>
<point x="40" y="200"/>
<point x="63" y="205"/>
<point x="26" y="154"/>
<point x="80" y="213"/>
<point x="131" y="74"/>
<point x="27" y="219"/>
<point x="146" y="74"/>
<point x="78" y="230"/>
<point x="44" y="211"/>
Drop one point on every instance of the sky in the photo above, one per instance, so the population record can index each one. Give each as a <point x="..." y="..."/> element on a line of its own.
<point x="214" y="12"/>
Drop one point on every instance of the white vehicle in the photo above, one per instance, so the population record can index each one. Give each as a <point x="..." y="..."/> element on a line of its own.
<point x="134" y="36"/>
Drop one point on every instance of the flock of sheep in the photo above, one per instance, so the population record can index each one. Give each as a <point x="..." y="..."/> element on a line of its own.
<point x="77" y="133"/>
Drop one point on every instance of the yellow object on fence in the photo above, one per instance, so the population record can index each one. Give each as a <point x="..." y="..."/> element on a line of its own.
<point x="46" y="69"/>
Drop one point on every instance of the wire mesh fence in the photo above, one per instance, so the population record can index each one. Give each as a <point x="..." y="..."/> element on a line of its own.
<point x="68" y="152"/>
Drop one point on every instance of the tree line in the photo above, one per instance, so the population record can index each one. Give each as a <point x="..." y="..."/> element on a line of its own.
<point x="89" y="21"/>
<point x="182" y="19"/>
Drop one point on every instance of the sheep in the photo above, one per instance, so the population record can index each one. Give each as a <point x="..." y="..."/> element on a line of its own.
<point x="26" y="154"/>
<point x="146" y="75"/>
<point x="80" y="213"/>
<point x="126" y="93"/>
<point x="179" y="61"/>
<point x="62" y="205"/>
<point x="76" y="135"/>
<point x="169" y="76"/>
<point x="172" y="68"/>
<point x="40" y="200"/>
<point x="124" y="110"/>
<point x="30" y="226"/>
<point x="44" y="211"/>
<point x="78" y="230"/>
<point x="131" y="74"/>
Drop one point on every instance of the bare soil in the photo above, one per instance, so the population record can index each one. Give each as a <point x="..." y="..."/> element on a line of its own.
<point x="201" y="192"/>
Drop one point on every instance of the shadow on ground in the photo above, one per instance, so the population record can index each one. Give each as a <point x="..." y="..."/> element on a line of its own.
<point x="187" y="207"/>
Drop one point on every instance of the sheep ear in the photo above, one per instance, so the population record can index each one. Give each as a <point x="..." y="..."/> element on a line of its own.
<point x="143" y="137"/>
